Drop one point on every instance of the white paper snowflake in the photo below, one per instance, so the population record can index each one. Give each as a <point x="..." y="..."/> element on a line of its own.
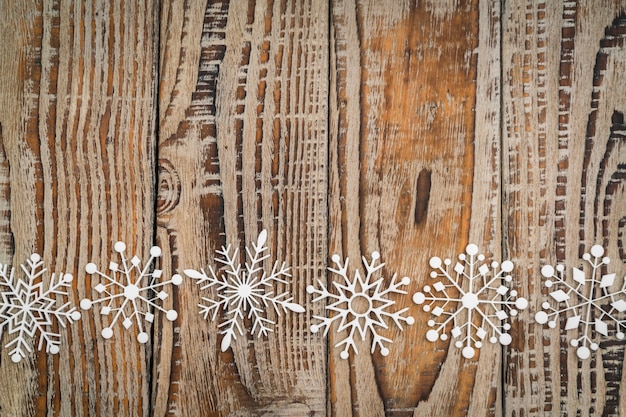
<point x="244" y="290"/>
<point x="360" y="305"/>
<point x="26" y="309"/>
<point x="131" y="292"/>
<point x="588" y="303"/>
<point x="477" y="305"/>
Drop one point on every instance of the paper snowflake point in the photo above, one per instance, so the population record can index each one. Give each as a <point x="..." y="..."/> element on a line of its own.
<point x="26" y="309"/>
<point x="360" y="305"/>
<point x="244" y="291"/>
<point x="471" y="299"/>
<point x="588" y="302"/>
<point x="131" y="293"/>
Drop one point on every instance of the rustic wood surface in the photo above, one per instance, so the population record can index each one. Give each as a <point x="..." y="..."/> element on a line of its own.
<point x="243" y="110"/>
<point x="563" y="139"/>
<point x="79" y="139"/>
<point x="410" y="128"/>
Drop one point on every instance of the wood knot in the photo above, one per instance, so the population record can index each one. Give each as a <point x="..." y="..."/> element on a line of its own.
<point x="422" y="195"/>
<point x="169" y="188"/>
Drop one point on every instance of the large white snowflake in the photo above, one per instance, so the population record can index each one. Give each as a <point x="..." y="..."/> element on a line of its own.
<point x="478" y="304"/>
<point x="26" y="309"/>
<point x="589" y="303"/>
<point x="244" y="290"/>
<point x="360" y="305"/>
<point x="131" y="292"/>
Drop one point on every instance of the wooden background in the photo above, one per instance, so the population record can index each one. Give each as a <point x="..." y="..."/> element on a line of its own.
<point x="407" y="127"/>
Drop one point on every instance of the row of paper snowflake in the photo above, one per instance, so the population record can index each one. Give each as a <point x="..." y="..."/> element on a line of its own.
<point x="469" y="300"/>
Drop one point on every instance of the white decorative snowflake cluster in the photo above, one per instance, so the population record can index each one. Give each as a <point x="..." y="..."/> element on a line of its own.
<point x="131" y="292"/>
<point x="360" y="305"/>
<point x="26" y="309"/>
<point x="244" y="290"/>
<point x="472" y="299"/>
<point x="588" y="302"/>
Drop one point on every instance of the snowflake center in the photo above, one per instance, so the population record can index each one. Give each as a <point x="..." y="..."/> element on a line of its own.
<point x="470" y="301"/>
<point x="360" y="305"/>
<point x="131" y="292"/>
<point x="244" y="291"/>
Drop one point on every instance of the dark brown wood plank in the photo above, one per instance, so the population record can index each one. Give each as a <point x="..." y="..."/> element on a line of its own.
<point x="405" y="113"/>
<point x="243" y="127"/>
<point x="77" y="109"/>
<point x="563" y="105"/>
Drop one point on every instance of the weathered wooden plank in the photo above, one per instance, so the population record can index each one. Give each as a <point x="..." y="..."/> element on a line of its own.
<point x="77" y="112"/>
<point x="243" y="127"/>
<point x="404" y="87"/>
<point x="563" y="105"/>
<point x="21" y="26"/>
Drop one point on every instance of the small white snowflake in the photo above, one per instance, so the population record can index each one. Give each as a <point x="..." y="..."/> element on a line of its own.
<point x="360" y="305"/>
<point x="131" y="292"/>
<point x="589" y="302"/>
<point x="241" y="290"/>
<point x="25" y="308"/>
<point x="482" y="298"/>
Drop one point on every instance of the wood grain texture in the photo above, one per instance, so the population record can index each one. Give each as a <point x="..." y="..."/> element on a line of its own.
<point x="243" y="127"/>
<point x="563" y="166"/>
<point x="19" y="385"/>
<point x="77" y="108"/>
<point x="402" y="108"/>
<point x="405" y="127"/>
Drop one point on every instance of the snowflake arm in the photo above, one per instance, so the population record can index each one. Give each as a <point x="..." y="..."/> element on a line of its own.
<point x="26" y="310"/>
<point x="588" y="304"/>
<point x="322" y="294"/>
<point x="244" y="291"/>
<point x="485" y="302"/>
<point x="359" y="306"/>
<point x="281" y="301"/>
<point x="132" y="293"/>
